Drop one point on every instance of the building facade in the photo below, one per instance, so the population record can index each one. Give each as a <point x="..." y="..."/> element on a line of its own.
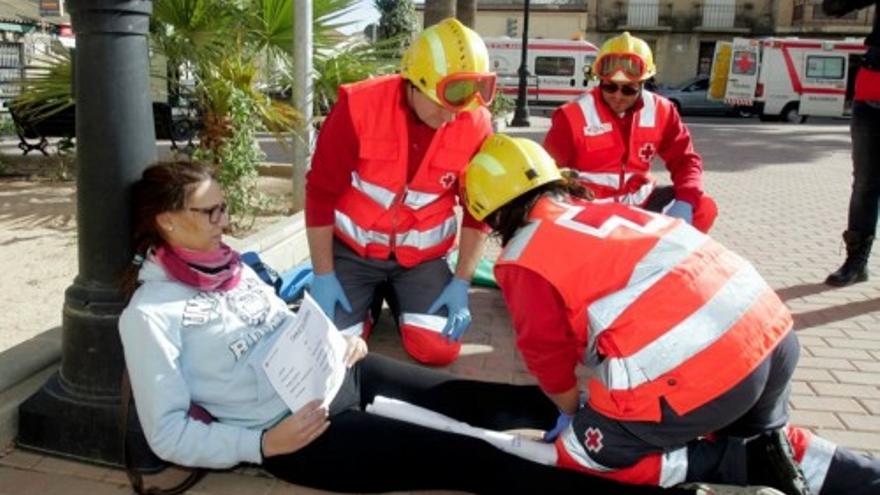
<point x="681" y="32"/>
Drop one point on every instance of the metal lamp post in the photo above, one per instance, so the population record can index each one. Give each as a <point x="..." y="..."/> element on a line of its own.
<point x="75" y="414"/>
<point x="521" y="114"/>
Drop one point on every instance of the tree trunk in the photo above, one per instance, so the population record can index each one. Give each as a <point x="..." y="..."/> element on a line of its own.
<point x="437" y="10"/>
<point x="466" y="12"/>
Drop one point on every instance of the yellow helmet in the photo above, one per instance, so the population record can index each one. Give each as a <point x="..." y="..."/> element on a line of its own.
<point x="504" y="169"/>
<point x="446" y="49"/>
<point x="625" y="58"/>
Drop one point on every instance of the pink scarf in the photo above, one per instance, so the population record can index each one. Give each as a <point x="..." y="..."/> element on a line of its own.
<point x="213" y="270"/>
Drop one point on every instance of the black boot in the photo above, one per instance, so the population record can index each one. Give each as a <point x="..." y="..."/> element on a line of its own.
<point x="770" y="462"/>
<point x="855" y="268"/>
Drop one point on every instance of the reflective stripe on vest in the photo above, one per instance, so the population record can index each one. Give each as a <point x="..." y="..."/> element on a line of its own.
<point x="817" y="458"/>
<point x="417" y="199"/>
<point x="697" y="332"/>
<point x="673" y="248"/>
<point x="361" y="236"/>
<point x="434" y="323"/>
<point x="429" y="238"/>
<point x="385" y="197"/>
<point x="595" y="126"/>
<point x="379" y="194"/>
<point x="636" y="198"/>
<point x="673" y="464"/>
<point x="648" y="114"/>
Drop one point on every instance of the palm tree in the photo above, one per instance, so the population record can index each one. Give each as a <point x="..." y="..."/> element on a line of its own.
<point x="437" y="10"/>
<point x="466" y="12"/>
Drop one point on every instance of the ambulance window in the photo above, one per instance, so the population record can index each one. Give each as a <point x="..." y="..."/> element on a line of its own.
<point x="819" y="67"/>
<point x="588" y="64"/>
<point x="554" y="66"/>
<point x="744" y="63"/>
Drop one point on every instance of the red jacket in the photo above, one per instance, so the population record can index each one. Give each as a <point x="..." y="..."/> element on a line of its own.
<point x="613" y="153"/>
<point x="385" y="205"/>
<point x="611" y="271"/>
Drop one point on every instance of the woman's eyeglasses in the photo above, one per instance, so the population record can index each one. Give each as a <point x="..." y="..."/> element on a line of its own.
<point x="611" y="88"/>
<point x="215" y="213"/>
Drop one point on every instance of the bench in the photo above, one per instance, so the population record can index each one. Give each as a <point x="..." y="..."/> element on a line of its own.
<point x="63" y="124"/>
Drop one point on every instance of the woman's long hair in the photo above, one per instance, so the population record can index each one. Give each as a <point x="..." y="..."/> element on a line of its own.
<point x="506" y="220"/>
<point x="163" y="187"/>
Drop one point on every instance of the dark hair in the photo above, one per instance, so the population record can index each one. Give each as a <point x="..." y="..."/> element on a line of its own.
<point x="162" y="187"/>
<point x="505" y="221"/>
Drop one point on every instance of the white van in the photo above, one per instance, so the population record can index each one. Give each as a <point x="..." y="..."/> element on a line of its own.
<point x="559" y="70"/>
<point x="787" y="78"/>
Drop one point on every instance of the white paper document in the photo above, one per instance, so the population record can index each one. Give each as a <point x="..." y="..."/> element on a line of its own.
<point x="536" y="451"/>
<point x="307" y="360"/>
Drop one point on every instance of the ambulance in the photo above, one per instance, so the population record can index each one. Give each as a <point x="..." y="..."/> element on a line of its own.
<point x="559" y="70"/>
<point x="787" y="78"/>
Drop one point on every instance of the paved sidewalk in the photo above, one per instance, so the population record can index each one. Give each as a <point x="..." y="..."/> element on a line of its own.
<point x="782" y="192"/>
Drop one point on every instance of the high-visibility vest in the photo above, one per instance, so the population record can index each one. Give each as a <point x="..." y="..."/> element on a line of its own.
<point x="380" y="213"/>
<point x="606" y="164"/>
<point x="659" y="310"/>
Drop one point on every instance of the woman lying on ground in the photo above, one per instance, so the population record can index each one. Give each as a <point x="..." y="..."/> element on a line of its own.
<point x="200" y="323"/>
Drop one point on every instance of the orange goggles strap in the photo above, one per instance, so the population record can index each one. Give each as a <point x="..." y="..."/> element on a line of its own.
<point x="631" y="66"/>
<point x="457" y="91"/>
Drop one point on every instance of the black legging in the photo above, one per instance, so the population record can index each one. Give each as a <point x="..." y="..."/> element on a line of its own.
<point x="362" y="452"/>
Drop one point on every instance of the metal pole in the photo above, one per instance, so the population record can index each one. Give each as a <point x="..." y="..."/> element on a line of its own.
<point x="302" y="98"/>
<point x="75" y="414"/>
<point x="521" y="114"/>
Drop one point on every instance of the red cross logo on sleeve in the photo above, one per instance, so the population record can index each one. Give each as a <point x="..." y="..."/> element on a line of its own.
<point x="744" y="62"/>
<point x="447" y="180"/>
<point x="647" y="152"/>
<point x="593" y="439"/>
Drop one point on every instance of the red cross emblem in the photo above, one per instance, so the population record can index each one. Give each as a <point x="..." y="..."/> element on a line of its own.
<point x="647" y="152"/>
<point x="744" y="62"/>
<point x="593" y="439"/>
<point x="447" y="180"/>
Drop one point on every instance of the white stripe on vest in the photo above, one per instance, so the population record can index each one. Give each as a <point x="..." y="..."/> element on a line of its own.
<point x="594" y="126"/>
<point x="428" y="238"/>
<point x="690" y="337"/>
<point x="648" y="114"/>
<point x="379" y="194"/>
<point x="418" y="199"/>
<point x="361" y="236"/>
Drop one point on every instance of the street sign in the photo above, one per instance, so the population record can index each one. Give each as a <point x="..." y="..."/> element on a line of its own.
<point x="51" y="8"/>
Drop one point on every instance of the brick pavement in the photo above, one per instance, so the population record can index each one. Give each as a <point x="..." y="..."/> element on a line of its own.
<point x="782" y="192"/>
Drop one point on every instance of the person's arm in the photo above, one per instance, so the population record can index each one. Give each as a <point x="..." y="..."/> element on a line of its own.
<point x="684" y="164"/>
<point x="321" y="248"/>
<point x="336" y="155"/>
<point x="543" y="334"/>
<point x="470" y="249"/>
<point x="152" y="354"/>
<point x="558" y="142"/>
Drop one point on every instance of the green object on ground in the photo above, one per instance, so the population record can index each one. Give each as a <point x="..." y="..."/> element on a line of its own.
<point x="484" y="276"/>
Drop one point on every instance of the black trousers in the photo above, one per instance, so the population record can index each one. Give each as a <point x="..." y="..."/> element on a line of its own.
<point x="361" y="452"/>
<point x="865" y="131"/>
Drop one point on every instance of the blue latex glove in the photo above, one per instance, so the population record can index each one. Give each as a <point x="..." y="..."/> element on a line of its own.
<point x="455" y="298"/>
<point x="327" y="292"/>
<point x="562" y="423"/>
<point x="681" y="209"/>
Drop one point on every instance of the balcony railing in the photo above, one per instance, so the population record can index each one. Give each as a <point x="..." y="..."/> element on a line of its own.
<point x="809" y="12"/>
<point x="712" y="15"/>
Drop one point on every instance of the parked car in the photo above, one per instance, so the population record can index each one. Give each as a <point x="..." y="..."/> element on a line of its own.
<point x="690" y="99"/>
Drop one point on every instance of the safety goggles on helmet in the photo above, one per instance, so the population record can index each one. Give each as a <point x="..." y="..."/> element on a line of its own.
<point x="630" y="65"/>
<point x="457" y="91"/>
